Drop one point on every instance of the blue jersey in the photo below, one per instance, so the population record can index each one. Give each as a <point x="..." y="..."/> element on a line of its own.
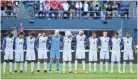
<point x="55" y="42"/>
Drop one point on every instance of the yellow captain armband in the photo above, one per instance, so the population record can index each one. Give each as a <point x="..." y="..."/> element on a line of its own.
<point x="99" y="47"/>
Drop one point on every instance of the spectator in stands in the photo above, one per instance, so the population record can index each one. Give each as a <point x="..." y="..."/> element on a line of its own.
<point x="96" y="8"/>
<point x="14" y="29"/>
<point x="16" y="8"/>
<point x="20" y="28"/>
<point x="9" y="8"/>
<point x="103" y="11"/>
<point x="78" y="8"/>
<point x="60" y="9"/>
<point x="66" y="9"/>
<point x="47" y="8"/>
<point x="36" y="6"/>
<point x="54" y="9"/>
<point x="41" y="9"/>
<point x="72" y="9"/>
<point x="85" y="9"/>
<point x="2" y="10"/>
<point x="115" y="9"/>
<point x="109" y="12"/>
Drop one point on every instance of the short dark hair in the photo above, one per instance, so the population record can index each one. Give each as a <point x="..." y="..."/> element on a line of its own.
<point x="32" y="33"/>
<point x="127" y="33"/>
<point x="20" y="33"/>
<point x="116" y="33"/>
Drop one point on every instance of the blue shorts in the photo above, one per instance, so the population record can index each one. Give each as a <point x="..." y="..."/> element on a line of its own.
<point x="55" y="54"/>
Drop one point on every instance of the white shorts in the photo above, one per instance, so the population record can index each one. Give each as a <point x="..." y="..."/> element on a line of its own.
<point x="104" y="54"/>
<point x="115" y="56"/>
<point x="30" y="55"/>
<point x="19" y="56"/>
<point x="93" y="56"/>
<point x="8" y="55"/>
<point x="80" y="54"/>
<point x="128" y="55"/>
<point x="42" y="54"/>
<point x="67" y="56"/>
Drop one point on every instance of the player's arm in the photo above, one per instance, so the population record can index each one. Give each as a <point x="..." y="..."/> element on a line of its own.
<point x="99" y="43"/>
<point x="24" y="44"/>
<point x="4" y="44"/>
<point x="122" y="44"/>
<point x="62" y="38"/>
<point x="14" y="42"/>
<point x="36" y="42"/>
<point x="133" y="46"/>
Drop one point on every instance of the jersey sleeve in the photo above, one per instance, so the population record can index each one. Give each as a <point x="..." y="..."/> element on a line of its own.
<point x="4" y="43"/>
<point x="62" y="38"/>
<point x="37" y="42"/>
<point x="99" y="41"/>
<point x="110" y="42"/>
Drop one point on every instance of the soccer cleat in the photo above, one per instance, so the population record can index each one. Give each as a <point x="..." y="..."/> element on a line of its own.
<point x="15" y="71"/>
<point x="75" y="71"/>
<point x="63" y="71"/>
<point x="50" y="71"/>
<point x="45" y="71"/>
<point x="84" y="71"/>
<point x="119" y="71"/>
<point x="32" y="72"/>
<point x="10" y="72"/>
<point x="58" y="72"/>
<point x="38" y="71"/>
<point x="21" y="72"/>
<point x="131" y="72"/>
<point x="70" y="72"/>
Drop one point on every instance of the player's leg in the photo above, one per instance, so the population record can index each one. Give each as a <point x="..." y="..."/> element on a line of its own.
<point x="69" y="62"/>
<point x="57" y="60"/>
<point x="45" y="61"/>
<point x="64" y="65"/>
<point x="64" y="60"/>
<point x="118" y="62"/>
<point x="17" y="59"/>
<point x="83" y="60"/>
<point x="38" y="65"/>
<point x="27" y="59"/>
<point x="131" y="58"/>
<point x="106" y="61"/>
<point x="5" y="61"/>
<point x="101" y="61"/>
<point x="90" y="61"/>
<point x="125" y="58"/>
<point x="32" y="61"/>
<point x="11" y="60"/>
<point x="112" y="60"/>
<point x="52" y="57"/>
<point x="78" y="56"/>
<point x="95" y="61"/>
<point x="21" y="62"/>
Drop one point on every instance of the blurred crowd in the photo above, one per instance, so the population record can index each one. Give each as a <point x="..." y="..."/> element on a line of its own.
<point x="64" y="9"/>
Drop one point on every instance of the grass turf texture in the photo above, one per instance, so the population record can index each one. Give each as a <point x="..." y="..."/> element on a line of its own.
<point x="67" y="75"/>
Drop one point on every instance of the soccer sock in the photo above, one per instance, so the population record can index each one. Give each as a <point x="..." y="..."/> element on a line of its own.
<point x="21" y="66"/>
<point x="131" y="65"/>
<point x="106" y="64"/>
<point x="45" y="64"/>
<point x="124" y="66"/>
<point x="32" y="66"/>
<point x="4" y="66"/>
<point x="112" y="66"/>
<point x="76" y="62"/>
<point x="10" y="64"/>
<point x="38" y="65"/>
<point x="57" y="65"/>
<point x="70" y="66"/>
<point x="83" y="64"/>
<point x="95" y="66"/>
<point x="64" y="65"/>
<point x="15" y="66"/>
<point x="119" y="66"/>
<point x="101" y="66"/>
<point x="25" y="66"/>
<point x="89" y="66"/>
<point x="50" y="65"/>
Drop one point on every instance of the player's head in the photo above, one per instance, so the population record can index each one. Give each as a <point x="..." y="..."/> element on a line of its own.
<point x="116" y="34"/>
<point x="31" y="34"/>
<point x="105" y="33"/>
<point x="81" y="32"/>
<point x="127" y="34"/>
<point x="44" y="33"/>
<point x="68" y="34"/>
<point x="56" y="32"/>
<point x="20" y="34"/>
<point x="10" y="33"/>
<point x="94" y="35"/>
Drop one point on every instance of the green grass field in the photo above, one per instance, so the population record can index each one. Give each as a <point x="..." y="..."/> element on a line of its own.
<point x="67" y="75"/>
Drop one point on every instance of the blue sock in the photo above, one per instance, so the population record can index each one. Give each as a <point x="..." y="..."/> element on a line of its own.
<point x="57" y="65"/>
<point x="50" y="65"/>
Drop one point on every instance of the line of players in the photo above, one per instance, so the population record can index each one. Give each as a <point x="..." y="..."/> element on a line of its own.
<point x="40" y="43"/>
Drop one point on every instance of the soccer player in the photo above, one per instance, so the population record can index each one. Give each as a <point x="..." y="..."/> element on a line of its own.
<point x="67" y="56"/>
<point x="128" y="45"/>
<point x="93" y="51"/>
<point x="55" y="50"/>
<point x="104" y="51"/>
<point x="30" y="52"/>
<point x="41" y="44"/>
<point x="80" y="50"/>
<point x="116" y="46"/>
<point x="7" y="47"/>
<point x="19" y="53"/>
